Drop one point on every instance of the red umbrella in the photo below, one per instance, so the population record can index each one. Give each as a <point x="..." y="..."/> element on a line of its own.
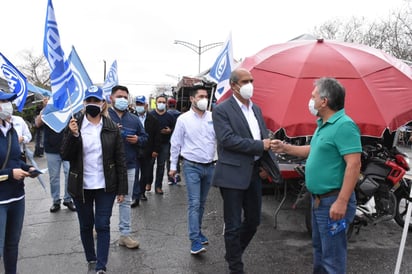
<point x="378" y="86"/>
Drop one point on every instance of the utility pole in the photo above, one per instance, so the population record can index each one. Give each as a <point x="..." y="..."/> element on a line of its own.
<point x="104" y="70"/>
<point x="199" y="49"/>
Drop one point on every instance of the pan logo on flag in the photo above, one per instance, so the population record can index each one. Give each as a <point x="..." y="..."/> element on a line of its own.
<point x="16" y="83"/>
<point x="222" y="64"/>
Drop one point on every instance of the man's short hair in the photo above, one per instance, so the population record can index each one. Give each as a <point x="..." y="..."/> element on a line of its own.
<point x="117" y="87"/>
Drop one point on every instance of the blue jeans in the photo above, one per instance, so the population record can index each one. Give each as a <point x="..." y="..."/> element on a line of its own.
<point x="54" y="163"/>
<point x="95" y="211"/>
<point x="198" y="180"/>
<point x="124" y="208"/>
<point x="160" y="164"/>
<point x="11" y="224"/>
<point x="329" y="252"/>
<point x="239" y="233"/>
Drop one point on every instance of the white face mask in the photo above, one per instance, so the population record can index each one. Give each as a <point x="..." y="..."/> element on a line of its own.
<point x="161" y="106"/>
<point x="6" y="110"/>
<point x="312" y="109"/>
<point x="202" y="104"/>
<point x="246" y="91"/>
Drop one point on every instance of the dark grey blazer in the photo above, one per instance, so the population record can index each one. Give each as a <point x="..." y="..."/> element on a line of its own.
<point x="236" y="147"/>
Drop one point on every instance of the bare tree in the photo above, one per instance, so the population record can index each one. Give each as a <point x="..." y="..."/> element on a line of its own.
<point x="392" y="35"/>
<point x="36" y="69"/>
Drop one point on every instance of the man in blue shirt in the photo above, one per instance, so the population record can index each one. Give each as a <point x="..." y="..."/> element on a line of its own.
<point x="134" y="136"/>
<point x="166" y="123"/>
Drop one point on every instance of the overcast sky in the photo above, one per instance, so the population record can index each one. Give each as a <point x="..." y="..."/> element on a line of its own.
<point x="140" y="35"/>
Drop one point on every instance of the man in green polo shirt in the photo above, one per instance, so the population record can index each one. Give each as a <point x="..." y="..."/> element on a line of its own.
<point x="331" y="172"/>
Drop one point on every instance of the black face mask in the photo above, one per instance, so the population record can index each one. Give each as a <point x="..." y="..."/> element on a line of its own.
<point x="93" y="110"/>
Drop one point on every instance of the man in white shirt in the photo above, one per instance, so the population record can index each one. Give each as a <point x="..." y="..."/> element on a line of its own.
<point x="22" y="131"/>
<point x="194" y="139"/>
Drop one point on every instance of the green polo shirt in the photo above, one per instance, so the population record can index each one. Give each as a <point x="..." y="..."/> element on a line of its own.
<point x="325" y="166"/>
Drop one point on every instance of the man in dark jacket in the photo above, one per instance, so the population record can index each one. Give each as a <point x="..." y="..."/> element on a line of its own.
<point x="52" y="144"/>
<point x="167" y="124"/>
<point x="148" y="153"/>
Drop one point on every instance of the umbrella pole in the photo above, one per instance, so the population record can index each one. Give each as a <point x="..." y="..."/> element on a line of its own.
<point x="404" y="235"/>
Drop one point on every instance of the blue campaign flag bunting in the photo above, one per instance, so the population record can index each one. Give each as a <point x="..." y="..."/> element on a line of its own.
<point x="57" y="119"/>
<point x="61" y="77"/>
<point x="16" y="80"/>
<point x="222" y="68"/>
<point x="111" y="80"/>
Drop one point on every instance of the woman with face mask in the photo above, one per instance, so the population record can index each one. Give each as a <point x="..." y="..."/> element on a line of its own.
<point x="94" y="147"/>
<point x="12" y="197"/>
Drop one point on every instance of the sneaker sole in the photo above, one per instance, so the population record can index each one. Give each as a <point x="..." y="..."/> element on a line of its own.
<point x="130" y="246"/>
<point x="205" y="243"/>
<point x="198" y="251"/>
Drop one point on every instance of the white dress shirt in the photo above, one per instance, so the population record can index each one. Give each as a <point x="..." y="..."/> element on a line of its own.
<point x="93" y="174"/>
<point x="22" y="130"/>
<point x="194" y="138"/>
<point x="251" y="120"/>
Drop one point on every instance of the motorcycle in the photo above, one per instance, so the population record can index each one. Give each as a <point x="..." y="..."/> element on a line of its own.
<point x="382" y="191"/>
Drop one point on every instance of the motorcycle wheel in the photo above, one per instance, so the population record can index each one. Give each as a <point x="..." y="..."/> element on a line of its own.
<point x="401" y="209"/>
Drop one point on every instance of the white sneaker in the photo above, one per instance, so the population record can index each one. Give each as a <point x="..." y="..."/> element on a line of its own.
<point x="129" y="242"/>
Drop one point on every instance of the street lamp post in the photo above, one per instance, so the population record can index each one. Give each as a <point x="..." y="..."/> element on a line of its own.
<point x="104" y="70"/>
<point x="199" y="49"/>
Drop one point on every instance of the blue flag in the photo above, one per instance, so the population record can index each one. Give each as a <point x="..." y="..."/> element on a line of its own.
<point x="222" y="68"/>
<point x="61" y="77"/>
<point x="39" y="90"/>
<point x="111" y="80"/>
<point x="57" y="119"/>
<point x="16" y="80"/>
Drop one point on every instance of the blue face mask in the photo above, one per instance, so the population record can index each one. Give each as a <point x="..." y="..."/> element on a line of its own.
<point x="121" y="104"/>
<point x="139" y="109"/>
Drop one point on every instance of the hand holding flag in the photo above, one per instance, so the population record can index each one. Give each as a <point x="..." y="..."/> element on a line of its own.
<point x="58" y="119"/>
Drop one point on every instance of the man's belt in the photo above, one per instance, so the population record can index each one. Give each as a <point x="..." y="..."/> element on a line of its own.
<point x="318" y="197"/>
<point x="202" y="164"/>
<point x="333" y="192"/>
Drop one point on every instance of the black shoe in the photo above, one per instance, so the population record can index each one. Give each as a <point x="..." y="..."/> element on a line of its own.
<point x="69" y="205"/>
<point x="143" y="197"/>
<point x="134" y="203"/>
<point x="54" y="208"/>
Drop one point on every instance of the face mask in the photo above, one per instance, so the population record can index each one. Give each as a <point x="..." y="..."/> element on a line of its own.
<point x="6" y="110"/>
<point x="161" y="106"/>
<point x="202" y="104"/>
<point x="121" y="104"/>
<point x="93" y="110"/>
<point x="139" y="109"/>
<point x="246" y="91"/>
<point x="312" y="109"/>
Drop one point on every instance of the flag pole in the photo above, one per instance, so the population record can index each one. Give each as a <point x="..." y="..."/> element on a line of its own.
<point x="212" y="93"/>
<point x="70" y="101"/>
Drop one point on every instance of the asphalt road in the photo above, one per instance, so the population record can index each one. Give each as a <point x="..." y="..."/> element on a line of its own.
<point x="50" y="242"/>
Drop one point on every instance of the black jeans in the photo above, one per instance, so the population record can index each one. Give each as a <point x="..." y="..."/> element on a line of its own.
<point x="239" y="233"/>
<point x="146" y="176"/>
